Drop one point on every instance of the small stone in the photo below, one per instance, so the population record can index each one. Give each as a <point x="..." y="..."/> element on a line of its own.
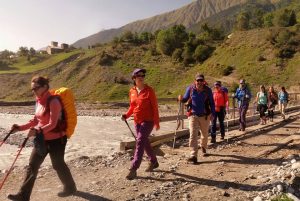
<point x="293" y="161"/>
<point x="226" y="194"/>
<point x="258" y="198"/>
<point x="279" y="188"/>
<point x="296" y="166"/>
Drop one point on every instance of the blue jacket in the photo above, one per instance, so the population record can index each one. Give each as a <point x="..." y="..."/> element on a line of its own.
<point x="243" y="96"/>
<point x="198" y="99"/>
<point x="283" y="97"/>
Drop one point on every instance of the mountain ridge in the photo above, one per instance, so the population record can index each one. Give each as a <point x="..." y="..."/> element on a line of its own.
<point x="186" y="15"/>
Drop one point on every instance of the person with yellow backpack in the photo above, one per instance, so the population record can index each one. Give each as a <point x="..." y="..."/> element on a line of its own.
<point x="54" y="121"/>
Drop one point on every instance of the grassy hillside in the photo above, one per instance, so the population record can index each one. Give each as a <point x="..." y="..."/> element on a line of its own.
<point x="104" y="73"/>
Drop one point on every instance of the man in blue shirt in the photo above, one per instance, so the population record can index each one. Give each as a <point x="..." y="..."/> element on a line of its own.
<point x="243" y="96"/>
<point x="199" y="99"/>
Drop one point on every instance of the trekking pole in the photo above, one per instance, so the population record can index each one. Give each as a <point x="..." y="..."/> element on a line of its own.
<point x="7" y="136"/>
<point x="178" y="124"/>
<point x="130" y="129"/>
<point x="11" y="167"/>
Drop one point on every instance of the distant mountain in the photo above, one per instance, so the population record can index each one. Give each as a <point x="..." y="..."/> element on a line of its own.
<point x="188" y="15"/>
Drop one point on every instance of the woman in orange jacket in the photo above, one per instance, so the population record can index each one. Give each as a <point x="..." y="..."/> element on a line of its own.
<point x="144" y="107"/>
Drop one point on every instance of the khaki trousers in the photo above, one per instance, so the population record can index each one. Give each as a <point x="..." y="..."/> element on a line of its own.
<point x="195" y="124"/>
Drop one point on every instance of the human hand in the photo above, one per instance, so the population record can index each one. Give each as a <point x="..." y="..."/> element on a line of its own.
<point x="32" y="132"/>
<point x="14" y="128"/>
<point x="179" y="98"/>
<point x="246" y="96"/>
<point x="123" y="117"/>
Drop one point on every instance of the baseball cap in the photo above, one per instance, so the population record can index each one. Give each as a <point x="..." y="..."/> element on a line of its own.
<point x="199" y="77"/>
<point x="137" y="70"/>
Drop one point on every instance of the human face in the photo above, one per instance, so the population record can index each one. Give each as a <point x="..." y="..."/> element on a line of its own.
<point x="37" y="89"/>
<point x="199" y="82"/>
<point x="139" y="78"/>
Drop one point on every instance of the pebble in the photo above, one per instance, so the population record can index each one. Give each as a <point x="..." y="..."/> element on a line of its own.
<point x="279" y="188"/>
<point x="258" y="198"/>
<point x="293" y="161"/>
<point x="296" y="166"/>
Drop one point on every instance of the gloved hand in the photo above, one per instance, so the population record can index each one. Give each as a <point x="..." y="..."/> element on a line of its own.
<point x="14" y="128"/>
<point x="123" y="117"/>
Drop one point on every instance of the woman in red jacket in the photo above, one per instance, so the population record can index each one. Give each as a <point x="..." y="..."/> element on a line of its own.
<point x="221" y="101"/>
<point x="44" y="123"/>
<point x="143" y="105"/>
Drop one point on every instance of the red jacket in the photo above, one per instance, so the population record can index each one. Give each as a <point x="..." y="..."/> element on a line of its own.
<point x="47" y="122"/>
<point x="143" y="106"/>
<point x="220" y="99"/>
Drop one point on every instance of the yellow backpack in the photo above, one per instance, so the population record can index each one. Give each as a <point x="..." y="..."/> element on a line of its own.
<point x="66" y="97"/>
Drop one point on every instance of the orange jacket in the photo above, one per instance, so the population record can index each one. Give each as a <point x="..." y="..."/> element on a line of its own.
<point x="220" y="99"/>
<point x="143" y="106"/>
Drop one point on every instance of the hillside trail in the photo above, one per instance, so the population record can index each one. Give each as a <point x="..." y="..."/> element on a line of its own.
<point x="232" y="171"/>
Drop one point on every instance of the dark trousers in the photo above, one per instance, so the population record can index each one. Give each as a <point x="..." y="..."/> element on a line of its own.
<point x="262" y="109"/>
<point x="221" y="116"/>
<point x="243" y="111"/>
<point x="143" y="131"/>
<point x="56" y="150"/>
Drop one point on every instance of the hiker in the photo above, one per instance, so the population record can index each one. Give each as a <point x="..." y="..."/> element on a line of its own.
<point x="201" y="109"/>
<point x="45" y="125"/>
<point x="144" y="107"/>
<point x="283" y="97"/>
<point x="272" y="102"/>
<point x="262" y="104"/>
<point x="243" y="96"/>
<point x="221" y="101"/>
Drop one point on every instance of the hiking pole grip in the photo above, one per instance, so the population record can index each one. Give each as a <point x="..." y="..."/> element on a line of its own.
<point x="11" y="167"/>
<point x="130" y="129"/>
<point x="5" y="138"/>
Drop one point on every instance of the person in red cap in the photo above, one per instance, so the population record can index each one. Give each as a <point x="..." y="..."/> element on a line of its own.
<point x="144" y="107"/>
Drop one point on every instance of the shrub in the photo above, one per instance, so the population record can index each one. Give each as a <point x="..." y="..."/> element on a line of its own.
<point x="176" y="56"/>
<point x="228" y="70"/>
<point x="202" y="52"/>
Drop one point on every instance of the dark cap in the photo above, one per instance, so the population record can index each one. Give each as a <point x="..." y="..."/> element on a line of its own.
<point x="218" y="83"/>
<point x="199" y="77"/>
<point x="242" y="81"/>
<point x="137" y="70"/>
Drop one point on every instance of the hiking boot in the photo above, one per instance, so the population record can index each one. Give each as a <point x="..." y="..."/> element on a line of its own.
<point x="213" y="140"/>
<point x="204" y="151"/>
<point x="17" y="197"/>
<point x="192" y="159"/>
<point x="131" y="175"/>
<point x="222" y="137"/>
<point x="67" y="192"/>
<point x="152" y="166"/>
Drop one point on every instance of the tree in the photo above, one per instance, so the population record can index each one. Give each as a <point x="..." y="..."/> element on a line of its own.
<point x="285" y="18"/>
<point x="293" y="18"/>
<point x="268" y="20"/>
<point x="127" y="36"/>
<point x="202" y="52"/>
<point x="176" y="56"/>
<point x="32" y="51"/>
<point x="146" y="37"/>
<point x="23" y="51"/>
<point x="243" y="21"/>
<point x="187" y="55"/>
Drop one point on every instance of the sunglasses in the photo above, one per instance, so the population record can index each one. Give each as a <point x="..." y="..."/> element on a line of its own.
<point x="35" y="88"/>
<point x="200" y="80"/>
<point x="140" y="75"/>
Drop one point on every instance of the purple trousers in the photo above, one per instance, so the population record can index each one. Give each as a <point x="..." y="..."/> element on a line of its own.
<point x="243" y="111"/>
<point x="143" y="131"/>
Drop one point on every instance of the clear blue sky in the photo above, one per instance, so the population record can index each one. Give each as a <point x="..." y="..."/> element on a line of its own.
<point x="34" y="23"/>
